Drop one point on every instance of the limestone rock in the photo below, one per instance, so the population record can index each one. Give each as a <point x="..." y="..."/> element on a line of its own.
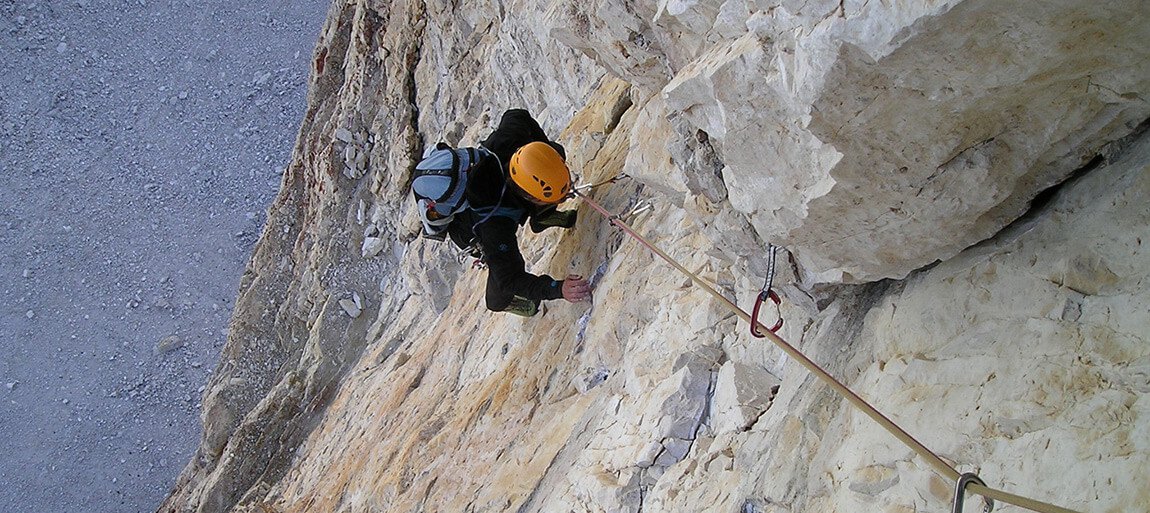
<point x="868" y="139"/>
<point x="168" y="344"/>
<point x="372" y="246"/>
<point x="878" y="142"/>
<point x="742" y="394"/>
<point x="873" y="480"/>
<point x="352" y="306"/>
<point x="684" y="398"/>
<point x="1088" y="274"/>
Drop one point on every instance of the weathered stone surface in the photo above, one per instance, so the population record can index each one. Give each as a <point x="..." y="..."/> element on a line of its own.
<point x="1023" y="358"/>
<point x="372" y="246"/>
<point x="742" y="393"/>
<point x="978" y="345"/>
<point x="877" y="139"/>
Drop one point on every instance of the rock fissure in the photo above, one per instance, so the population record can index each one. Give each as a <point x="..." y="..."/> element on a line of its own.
<point x="1132" y="95"/>
<point x="411" y="82"/>
<point x="1040" y="205"/>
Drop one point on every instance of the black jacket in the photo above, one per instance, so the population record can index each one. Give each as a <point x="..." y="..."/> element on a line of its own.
<point x="497" y="212"/>
<point x="488" y="186"/>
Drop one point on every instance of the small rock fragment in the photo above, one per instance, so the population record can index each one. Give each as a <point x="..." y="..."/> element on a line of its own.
<point x="168" y="344"/>
<point x="372" y="246"/>
<point x="343" y="134"/>
<point x="350" y="307"/>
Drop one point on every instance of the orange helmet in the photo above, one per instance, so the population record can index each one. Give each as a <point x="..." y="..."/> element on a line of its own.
<point x="540" y="173"/>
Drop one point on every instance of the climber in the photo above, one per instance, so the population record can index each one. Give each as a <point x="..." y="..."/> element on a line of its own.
<point x="481" y="196"/>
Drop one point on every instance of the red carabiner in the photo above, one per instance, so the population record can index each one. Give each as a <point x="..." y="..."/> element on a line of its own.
<point x="763" y="296"/>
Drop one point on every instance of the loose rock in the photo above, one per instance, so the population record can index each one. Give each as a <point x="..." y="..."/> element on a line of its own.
<point x="169" y="344"/>
<point x="353" y="310"/>
<point x="372" y="246"/>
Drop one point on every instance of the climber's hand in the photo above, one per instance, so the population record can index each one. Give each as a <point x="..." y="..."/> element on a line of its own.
<point x="576" y="289"/>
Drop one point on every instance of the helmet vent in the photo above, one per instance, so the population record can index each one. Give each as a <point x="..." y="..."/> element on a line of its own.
<point x="538" y="169"/>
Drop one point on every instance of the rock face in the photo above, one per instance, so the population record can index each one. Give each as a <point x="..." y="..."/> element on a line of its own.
<point x="868" y="139"/>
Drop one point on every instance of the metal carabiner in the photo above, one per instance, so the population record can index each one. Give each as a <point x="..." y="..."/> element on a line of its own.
<point x="960" y="492"/>
<point x="766" y="293"/>
<point x="763" y="296"/>
<point x="472" y="251"/>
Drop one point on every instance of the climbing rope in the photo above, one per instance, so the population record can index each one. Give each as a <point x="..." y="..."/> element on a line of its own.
<point x="960" y="492"/>
<point x="931" y="458"/>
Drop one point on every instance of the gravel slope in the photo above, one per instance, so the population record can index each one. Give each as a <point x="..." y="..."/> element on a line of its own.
<point x="140" y="143"/>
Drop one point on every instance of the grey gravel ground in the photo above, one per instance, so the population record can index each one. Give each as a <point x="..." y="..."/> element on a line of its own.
<point x="140" y="144"/>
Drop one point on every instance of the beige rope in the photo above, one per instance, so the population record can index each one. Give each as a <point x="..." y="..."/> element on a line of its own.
<point x="931" y="458"/>
<point x="1017" y="500"/>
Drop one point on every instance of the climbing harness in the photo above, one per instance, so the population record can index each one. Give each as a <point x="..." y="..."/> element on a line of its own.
<point x="766" y="293"/>
<point x="960" y="490"/>
<point x="934" y="460"/>
<point x="475" y="252"/>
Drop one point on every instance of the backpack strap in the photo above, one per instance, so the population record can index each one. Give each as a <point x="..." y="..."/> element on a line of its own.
<point x="453" y="172"/>
<point x="498" y="209"/>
